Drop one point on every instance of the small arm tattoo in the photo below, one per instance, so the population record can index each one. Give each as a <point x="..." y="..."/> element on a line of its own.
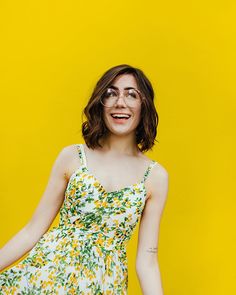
<point x="152" y="250"/>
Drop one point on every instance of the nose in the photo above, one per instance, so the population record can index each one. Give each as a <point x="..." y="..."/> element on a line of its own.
<point x="120" y="101"/>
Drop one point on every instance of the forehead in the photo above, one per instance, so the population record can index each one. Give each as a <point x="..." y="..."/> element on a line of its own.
<point x="125" y="80"/>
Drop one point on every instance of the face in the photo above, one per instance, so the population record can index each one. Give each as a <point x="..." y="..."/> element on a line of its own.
<point x="122" y="126"/>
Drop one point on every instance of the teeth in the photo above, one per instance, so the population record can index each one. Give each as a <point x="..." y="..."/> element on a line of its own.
<point x="120" y="116"/>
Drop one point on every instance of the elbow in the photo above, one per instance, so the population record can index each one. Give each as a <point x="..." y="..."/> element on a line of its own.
<point x="34" y="232"/>
<point x="144" y="265"/>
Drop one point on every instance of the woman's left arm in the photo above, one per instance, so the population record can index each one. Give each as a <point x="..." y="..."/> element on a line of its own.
<point x="147" y="267"/>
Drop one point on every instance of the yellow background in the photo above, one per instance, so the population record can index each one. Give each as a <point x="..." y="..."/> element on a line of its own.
<point x="53" y="53"/>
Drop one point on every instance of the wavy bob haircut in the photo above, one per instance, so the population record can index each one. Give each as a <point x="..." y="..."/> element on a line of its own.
<point x="94" y="129"/>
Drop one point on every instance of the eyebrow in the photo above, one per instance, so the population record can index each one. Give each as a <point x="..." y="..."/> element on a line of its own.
<point x="114" y="87"/>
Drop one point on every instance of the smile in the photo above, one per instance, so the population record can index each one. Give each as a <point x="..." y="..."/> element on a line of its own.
<point x="120" y="116"/>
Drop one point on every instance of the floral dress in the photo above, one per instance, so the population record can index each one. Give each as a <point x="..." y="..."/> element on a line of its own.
<point x="86" y="252"/>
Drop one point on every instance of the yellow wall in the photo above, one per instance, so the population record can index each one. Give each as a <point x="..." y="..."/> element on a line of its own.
<point x="52" y="54"/>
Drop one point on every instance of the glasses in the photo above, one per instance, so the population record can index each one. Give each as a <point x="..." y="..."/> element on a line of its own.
<point x="132" y="97"/>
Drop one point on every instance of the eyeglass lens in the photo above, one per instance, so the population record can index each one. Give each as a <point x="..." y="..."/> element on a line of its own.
<point x="110" y="96"/>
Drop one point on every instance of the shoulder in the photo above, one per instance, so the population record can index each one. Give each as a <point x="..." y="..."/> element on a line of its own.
<point x="70" y="149"/>
<point x="158" y="171"/>
<point x="68" y="152"/>
<point x="158" y="181"/>
<point x="69" y="159"/>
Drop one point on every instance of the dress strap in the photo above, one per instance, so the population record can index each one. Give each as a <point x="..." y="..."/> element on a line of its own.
<point x="81" y="152"/>
<point x="149" y="168"/>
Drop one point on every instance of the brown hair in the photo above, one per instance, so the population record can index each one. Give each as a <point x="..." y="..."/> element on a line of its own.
<point x="94" y="128"/>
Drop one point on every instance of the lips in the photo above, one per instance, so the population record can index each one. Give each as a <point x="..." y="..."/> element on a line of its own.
<point x="120" y="115"/>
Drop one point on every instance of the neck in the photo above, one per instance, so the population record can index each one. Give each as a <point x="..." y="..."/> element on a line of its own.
<point x="120" y="145"/>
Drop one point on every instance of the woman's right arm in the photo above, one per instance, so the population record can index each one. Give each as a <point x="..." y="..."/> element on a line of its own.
<point x="43" y="216"/>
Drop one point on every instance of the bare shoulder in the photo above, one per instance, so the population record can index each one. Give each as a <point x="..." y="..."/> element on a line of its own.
<point x="158" y="181"/>
<point x="67" y="152"/>
<point x="70" y="150"/>
<point x="159" y="171"/>
<point x="70" y="158"/>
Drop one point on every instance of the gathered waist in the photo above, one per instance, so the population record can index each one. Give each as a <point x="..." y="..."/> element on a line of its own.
<point x="108" y="241"/>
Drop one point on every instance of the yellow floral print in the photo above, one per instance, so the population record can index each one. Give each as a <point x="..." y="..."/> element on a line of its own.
<point x="86" y="252"/>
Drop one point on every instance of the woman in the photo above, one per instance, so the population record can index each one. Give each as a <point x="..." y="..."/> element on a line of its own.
<point x="102" y="189"/>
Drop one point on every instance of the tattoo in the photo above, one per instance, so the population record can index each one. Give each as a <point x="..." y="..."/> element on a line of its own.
<point x="152" y="250"/>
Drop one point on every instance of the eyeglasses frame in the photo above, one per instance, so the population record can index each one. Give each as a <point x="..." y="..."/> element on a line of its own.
<point x="139" y="92"/>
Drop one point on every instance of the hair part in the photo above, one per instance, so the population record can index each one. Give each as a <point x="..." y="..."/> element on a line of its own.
<point x="94" y="129"/>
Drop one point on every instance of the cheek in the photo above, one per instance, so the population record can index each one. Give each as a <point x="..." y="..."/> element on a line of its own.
<point x="138" y="114"/>
<point x="105" y="115"/>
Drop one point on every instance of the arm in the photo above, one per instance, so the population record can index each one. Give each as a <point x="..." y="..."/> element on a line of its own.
<point x="43" y="216"/>
<point x="147" y="267"/>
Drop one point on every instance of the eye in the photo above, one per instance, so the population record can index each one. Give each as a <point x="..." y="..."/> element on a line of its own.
<point x="133" y="94"/>
<point x="110" y="92"/>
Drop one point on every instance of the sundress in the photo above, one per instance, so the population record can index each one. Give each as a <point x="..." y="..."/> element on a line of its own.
<point x="86" y="252"/>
